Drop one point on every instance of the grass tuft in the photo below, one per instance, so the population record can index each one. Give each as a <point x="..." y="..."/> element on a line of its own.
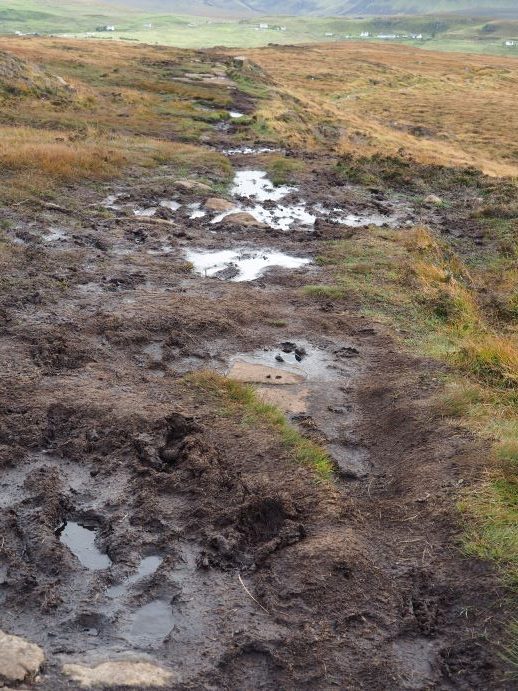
<point x="244" y="399"/>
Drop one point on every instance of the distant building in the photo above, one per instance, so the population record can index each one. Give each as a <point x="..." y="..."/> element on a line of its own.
<point x="263" y="26"/>
<point x="364" y="34"/>
<point x="511" y="43"/>
<point x="328" y="33"/>
<point x="106" y="27"/>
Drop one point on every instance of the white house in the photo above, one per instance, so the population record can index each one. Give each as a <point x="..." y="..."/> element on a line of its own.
<point x="263" y="26"/>
<point x="511" y="43"/>
<point x="364" y="34"/>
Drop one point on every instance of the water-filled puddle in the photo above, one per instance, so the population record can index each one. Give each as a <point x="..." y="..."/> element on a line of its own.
<point x="147" y="567"/>
<point x="172" y="205"/>
<point x="195" y="210"/>
<point x="241" y="265"/>
<point x="281" y="217"/>
<point x="254" y="184"/>
<point x="249" y="150"/>
<point x="342" y="217"/>
<point x="300" y="358"/>
<point x="80" y="540"/>
<point x="284" y="373"/>
<point x="145" y="212"/>
<point x="151" y="623"/>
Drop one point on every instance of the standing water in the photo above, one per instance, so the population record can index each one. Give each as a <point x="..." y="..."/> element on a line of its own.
<point x="80" y="540"/>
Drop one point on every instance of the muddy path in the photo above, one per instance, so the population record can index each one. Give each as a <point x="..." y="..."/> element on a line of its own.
<point x="142" y="522"/>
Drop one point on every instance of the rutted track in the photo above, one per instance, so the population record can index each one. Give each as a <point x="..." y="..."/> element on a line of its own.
<point x="266" y="578"/>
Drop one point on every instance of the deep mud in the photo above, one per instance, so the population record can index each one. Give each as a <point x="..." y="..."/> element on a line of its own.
<point x="208" y="551"/>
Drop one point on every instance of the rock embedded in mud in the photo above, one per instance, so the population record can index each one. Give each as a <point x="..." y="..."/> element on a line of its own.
<point x="120" y="673"/>
<point x="192" y="185"/>
<point x="433" y="199"/>
<point x="243" y="218"/>
<point x="218" y="204"/>
<point x="19" y="659"/>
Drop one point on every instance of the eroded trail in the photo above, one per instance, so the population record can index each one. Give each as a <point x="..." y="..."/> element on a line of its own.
<point x="146" y="520"/>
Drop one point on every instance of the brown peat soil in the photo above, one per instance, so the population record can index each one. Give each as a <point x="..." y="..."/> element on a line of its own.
<point x="258" y="393"/>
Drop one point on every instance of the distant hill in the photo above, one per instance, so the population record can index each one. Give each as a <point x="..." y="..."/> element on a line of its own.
<point x="489" y="8"/>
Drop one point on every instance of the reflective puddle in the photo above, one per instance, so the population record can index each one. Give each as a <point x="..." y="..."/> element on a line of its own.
<point x="284" y="374"/>
<point x="150" y="624"/>
<point x="195" y="210"/>
<point x="147" y="212"/>
<point x="241" y="265"/>
<point x="147" y="567"/>
<point x="247" y="150"/>
<point x="80" y="540"/>
<point x="342" y="217"/>
<point x="170" y="204"/>
<point x="254" y="184"/>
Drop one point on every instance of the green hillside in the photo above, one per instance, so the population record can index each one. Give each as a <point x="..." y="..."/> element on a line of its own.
<point x="83" y="19"/>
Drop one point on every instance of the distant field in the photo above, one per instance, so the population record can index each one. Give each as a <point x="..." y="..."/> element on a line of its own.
<point x="82" y="19"/>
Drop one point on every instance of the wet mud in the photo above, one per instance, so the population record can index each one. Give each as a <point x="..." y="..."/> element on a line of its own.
<point x="143" y="523"/>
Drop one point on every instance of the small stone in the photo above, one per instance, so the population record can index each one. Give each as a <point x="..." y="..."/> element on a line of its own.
<point x="217" y="204"/>
<point x="433" y="199"/>
<point x="243" y="218"/>
<point x="120" y="673"/>
<point x="279" y="358"/>
<point x="19" y="659"/>
<point x="192" y="185"/>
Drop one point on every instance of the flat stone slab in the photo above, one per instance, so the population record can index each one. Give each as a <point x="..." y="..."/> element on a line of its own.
<point x="251" y="373"/>
<point x="243" y="218"/>
<point x="218" y="204"/>
<point x="119" y="673"/>
<point x="19" y="659"/>
<point x="192" y="185"/>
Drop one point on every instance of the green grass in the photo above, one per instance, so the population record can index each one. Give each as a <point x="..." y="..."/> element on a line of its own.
<point x="81" y="18"/>
<point x="492" y="532"/>
<point x="325" y="291"/>
<point x="240" y="399"/>
<point x="283" y="170"/>
<point x="418" y="285"/>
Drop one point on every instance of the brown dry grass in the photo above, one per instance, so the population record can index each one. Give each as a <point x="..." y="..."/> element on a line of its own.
<point x="71" y="110"/>
<point x="444" y="108"/>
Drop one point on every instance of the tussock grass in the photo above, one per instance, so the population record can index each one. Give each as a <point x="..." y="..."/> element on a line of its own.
<point x="492" y="359"/>
<point x="244" y="401"/>
<point x="89" y="111"/>
<point x="492" y="533"/>
<point x="29" y="149"/>
<point x="323" y="291"/>
<point x="283" y="170"/>
<point x="416" y="283"/>
<point x="367" y="99"/>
